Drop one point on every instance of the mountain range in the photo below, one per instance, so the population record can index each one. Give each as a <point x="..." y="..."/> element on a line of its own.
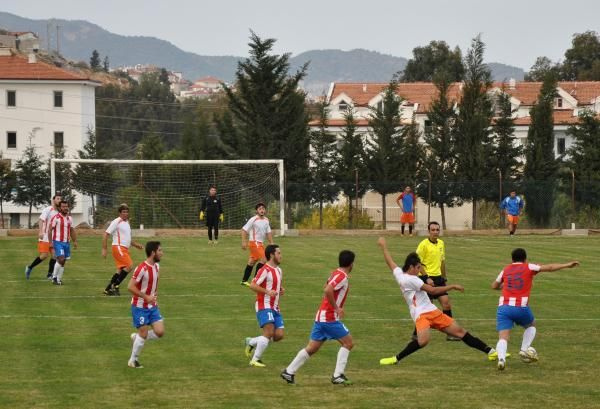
<point x="77" y="39"/>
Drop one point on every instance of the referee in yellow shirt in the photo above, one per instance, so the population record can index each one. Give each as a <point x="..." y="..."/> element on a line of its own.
<point x="432" y="253"/>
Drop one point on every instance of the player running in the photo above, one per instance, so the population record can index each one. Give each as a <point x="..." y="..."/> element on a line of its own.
<point x="268" y="288"/>
<point x="144" y="309"/>
<point x="407" y="201"/>
<point x="61" y="232"/>
<point x="213" y="210"/>
<point x="512" y="206"/>
<point x="253" y="237"/>
<point x="515" y="281"/>
<point x="328" y="325"/>
<point x="44" y="248"/>
<point x="423" y="312"/>
<point x="120" y="230"/>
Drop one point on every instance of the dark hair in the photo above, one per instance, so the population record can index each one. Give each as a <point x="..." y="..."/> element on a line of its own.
<point x="270" y="250"/>
<point x="259" y="204"/>
<point x="152" y="246"/>
<point x="432" y="223"/>
<point x="212" y="187"/>
<point x="519" y="255"/>
<point x="63" y="201"/>
<point x="123" y="206"/>
<point x="411" y="261"/>
<point x="346" y="258"/>
<point x="55" y="195"/>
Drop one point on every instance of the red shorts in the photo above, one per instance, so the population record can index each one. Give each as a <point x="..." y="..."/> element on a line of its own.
<point x="433" y="319"/>
<point x="257" y="251"/>
<point x="512" y="219"/>
<point x="43" y="247"/>
<point x="407" y="218"/>
<point x="121" y="256"/>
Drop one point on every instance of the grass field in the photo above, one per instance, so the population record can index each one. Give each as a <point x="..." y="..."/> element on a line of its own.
<point x="67" y="347"/>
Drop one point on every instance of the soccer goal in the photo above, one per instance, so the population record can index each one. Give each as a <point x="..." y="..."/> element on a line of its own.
<point x="168" y="193"/>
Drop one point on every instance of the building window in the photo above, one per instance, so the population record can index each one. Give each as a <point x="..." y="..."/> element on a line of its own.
<point x="343" y="106"/>
<point x="59" y="140"/>
<point x="560" y="146"/>
<point x="559" y="102"/>
<point x="11" y="140"/>
<point x="428" y="127"/>
<point x="58" y="99"/>
<point x="11" y="98"/>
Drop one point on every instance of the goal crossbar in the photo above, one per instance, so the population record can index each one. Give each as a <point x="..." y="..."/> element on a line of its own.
<point x="278" y="162"/>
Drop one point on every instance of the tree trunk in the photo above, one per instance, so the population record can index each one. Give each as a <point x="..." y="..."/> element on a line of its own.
<point x="443" y="211"/>
<point x="29" y="220"/>
<point x="320" y="214"/>
<point x="474" y="214"/>
<point x="93" y="212"/>
<point x="1" y="214"/>
<point x="384" y="210"/>
<point x="350" y="211"/>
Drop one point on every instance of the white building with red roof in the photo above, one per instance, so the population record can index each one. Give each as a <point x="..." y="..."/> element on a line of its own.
<point x="53" y="106"/>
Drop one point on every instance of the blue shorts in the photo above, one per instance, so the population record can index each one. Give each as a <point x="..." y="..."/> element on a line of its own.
<point x="145" y="316"/>
<point x="61" y="249"/>
<point x="269" y="316"/>
<point x="323" y="331"/>
<point x="508" y="315"/>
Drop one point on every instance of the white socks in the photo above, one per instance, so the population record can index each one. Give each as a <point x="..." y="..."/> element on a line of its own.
<point x="298" y="361"/>
<point x="253" y="342"/>
<point x="58" y="271"/>
<point x="138" y="344"/>
<point x="151" y="335"/>
<point x="501" y="347"/>
<point x="528" y="337"/>
<point x="342" y="359"/>
<point x="261" y="344"/>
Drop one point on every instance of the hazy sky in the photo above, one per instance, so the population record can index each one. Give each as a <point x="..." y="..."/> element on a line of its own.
<point x="515" y="31"/>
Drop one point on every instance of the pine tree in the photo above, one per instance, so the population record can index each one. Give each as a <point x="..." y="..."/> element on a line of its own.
<point x="64" y="177"/>
<point x="472" y="130"/>
<point x="431" y="59"/>
<point x="95" y="61"/>
<point x="440" y="156"/>
<point x="541" y="166"/>
<point x="350" y="162"/>
<point x="412" y="153"/>
<point x="33" y="181"/>
<point x="384" y="150"/>
<point x="105" y="64"/>
<point x="8" y="182"/>
<point x="323" y="165"/>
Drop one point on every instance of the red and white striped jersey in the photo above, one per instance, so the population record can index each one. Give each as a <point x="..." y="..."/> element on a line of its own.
<point x="61" y="227"/>
<point x="517" y="279"/>
<point x="268" y="278"/>
<point x="146" y="280"/>
<point x="121" y="232"/>
<point x="339" y="281"/>
<point x="257" y="228"/>
<point x="47" y="214"/>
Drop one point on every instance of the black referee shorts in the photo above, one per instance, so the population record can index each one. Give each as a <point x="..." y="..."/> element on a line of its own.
<point x="438" y="281"/>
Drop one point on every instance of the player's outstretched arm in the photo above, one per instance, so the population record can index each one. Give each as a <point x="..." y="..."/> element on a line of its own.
<point x="441" y="290"/>
<point x="330" y="295"/>
<point x="386" y="254"/>
<point x="556" y="266"/>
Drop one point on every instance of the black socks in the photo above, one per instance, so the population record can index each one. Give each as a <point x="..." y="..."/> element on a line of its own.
<point x="247" y="272"/>
<point x="476" y="343"/>
<point x="35" y="262"/>
<point x="409" y="349"/>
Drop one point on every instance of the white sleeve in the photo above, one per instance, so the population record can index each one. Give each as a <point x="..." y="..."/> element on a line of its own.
<point x="112" y="227"/>
<point x="44" y="214"/>
<point x="268" y="226"/>
<point x="534" y="267"/>
<point x="499" y="278"/>
<point x="398" y="273"/>
<point x="248" y="224"/>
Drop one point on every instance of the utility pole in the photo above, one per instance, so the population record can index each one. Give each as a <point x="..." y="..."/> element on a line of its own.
<point x="57" y="39"/>
<point x="48" y="37"/>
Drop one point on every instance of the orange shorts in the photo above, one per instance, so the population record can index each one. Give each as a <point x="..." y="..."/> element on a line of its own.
<point x="121" y="256"/>
<point x="257" y="251"/>
<point x="433" y="319"/>
<point x="407" y="218"/>
<point x="43" y="247"/>
<point x="512" y="219"/>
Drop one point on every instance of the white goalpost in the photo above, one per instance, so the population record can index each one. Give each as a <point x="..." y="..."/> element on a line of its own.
<point x="168" y="193"/>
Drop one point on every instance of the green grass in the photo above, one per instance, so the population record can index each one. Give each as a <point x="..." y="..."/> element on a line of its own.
<point x="67" y="347"/>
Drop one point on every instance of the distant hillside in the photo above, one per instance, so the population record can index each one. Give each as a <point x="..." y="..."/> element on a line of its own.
<point x="78" y="38"/>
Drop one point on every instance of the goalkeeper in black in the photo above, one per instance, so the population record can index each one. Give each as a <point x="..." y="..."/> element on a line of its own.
<point x="212" y="211"/>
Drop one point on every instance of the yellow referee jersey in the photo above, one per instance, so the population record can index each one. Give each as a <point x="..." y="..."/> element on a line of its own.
<point x="432" y="255"/>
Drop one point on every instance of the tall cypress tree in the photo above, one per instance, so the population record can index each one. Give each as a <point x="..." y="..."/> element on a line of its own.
<point x="541" y="167"/>
<point x="384" y="150"/>
<point x="8" y="181"/>
<point x="472" y="130"/>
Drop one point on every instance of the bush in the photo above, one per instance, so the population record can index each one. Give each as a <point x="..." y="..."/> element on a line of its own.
<point x="336" y="217"/>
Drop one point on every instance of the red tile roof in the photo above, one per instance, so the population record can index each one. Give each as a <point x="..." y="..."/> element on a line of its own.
<point x="564" y="117"/>
<point x="208" y="79"/>
<point x="16" y="67"/>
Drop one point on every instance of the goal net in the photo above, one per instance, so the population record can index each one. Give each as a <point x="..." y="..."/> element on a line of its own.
<point x="168" y="193"/>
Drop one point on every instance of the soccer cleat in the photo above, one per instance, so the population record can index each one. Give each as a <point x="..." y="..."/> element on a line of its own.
<point x="257" y="363"/>
<point x="49" y="276"/>
<point x="288" y="377"/>
<point x="115" y="290"/>
<point x="501" y="364"/>
<point x="493" y="355"/>
<point x="249" y="348"/>
<point x="134" y="364"/>
<point x="132" y="336"/>
<point x="388" y="361"/>
<point x="56" y="281"/>
<point x="246" y="283"/>
<point x="453" y="338"/>
<point x="27" y="272"/>
<point x="210" y="242"/>
<point x="216" y="242"/>
<point x="341" y="380"/>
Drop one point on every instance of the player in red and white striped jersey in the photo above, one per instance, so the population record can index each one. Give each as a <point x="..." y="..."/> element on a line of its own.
<point x="121" y="241"/>
<point x="268" y="288"/>
<point x="43" y="246"/>
<point x="516" y="280"/>
<point x="61" y="233"/>
<point x="328" y="325"/>
<point x="143" y="285"/>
